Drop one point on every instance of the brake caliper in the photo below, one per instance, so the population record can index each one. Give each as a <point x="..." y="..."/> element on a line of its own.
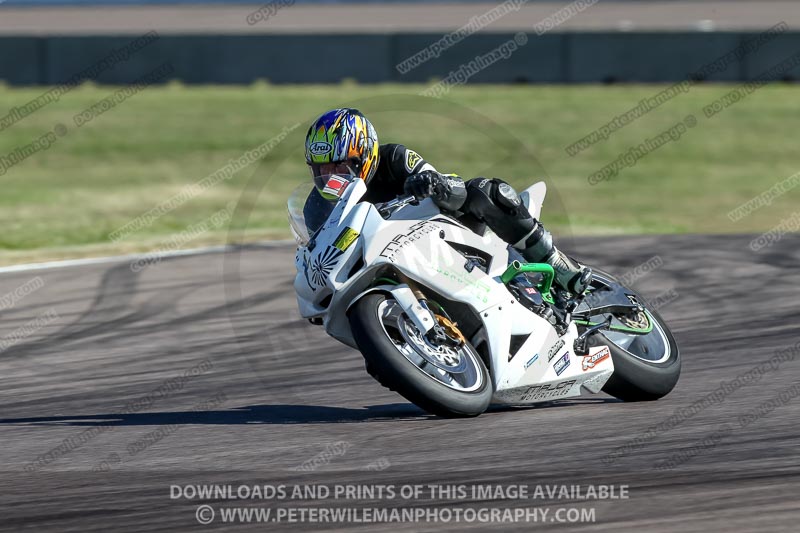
<point x="451" y="329"/>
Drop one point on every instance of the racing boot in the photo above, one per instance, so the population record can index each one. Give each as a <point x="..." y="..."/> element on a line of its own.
<point x="495" y="203"/>
<point x="538" y="247"/>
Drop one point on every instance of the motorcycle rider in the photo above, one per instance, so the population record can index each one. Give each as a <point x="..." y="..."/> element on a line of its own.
<point x="343" y="141"/>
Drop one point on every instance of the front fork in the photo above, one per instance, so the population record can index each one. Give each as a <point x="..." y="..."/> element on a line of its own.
<point x="415" y="304"/>
<point x="414" y="308"/>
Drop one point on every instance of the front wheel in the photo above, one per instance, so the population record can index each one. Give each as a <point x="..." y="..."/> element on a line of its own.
<point x="443" y="380"/>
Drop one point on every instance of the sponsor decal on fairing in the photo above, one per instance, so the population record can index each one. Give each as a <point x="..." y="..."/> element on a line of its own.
<point x="590" y="361"/>
<point x="555" y="349"/>
<point x="561" y="364"/>
<point x="531" y="361"/>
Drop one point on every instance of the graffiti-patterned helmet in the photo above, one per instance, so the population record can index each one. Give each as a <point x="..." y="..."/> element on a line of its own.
<point x="342" y="140"/>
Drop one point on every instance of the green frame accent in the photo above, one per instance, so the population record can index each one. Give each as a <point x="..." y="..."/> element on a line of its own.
<point x="516" y="268"/>
<point x="623" y="329"/>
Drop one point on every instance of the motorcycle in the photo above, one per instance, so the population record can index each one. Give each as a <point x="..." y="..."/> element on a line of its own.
<point x="453" y="318"/>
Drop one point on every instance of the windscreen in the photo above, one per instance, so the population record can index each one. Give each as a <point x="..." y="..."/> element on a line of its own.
<point x="310" y="205"/>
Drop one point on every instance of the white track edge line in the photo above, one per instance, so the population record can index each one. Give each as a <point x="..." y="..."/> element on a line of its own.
<point x="130" y="257"/>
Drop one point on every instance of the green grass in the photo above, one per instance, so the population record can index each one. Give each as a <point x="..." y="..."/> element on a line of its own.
<point x="66" y="200"/>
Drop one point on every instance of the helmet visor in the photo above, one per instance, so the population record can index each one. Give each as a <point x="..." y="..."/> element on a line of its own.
<point x="339" y="167"/>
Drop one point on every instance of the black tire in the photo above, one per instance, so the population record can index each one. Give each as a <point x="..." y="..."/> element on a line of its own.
<point x="393" y="370"/>
<point x="637" y="380"/>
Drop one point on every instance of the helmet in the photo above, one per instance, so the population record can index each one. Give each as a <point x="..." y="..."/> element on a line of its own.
<point x="342" y="141"/>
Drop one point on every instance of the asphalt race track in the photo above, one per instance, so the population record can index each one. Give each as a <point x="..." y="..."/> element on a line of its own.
<point x="197" y="370"/>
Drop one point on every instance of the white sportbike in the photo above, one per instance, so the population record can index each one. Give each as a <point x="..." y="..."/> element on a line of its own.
<point x="453" y="319"/>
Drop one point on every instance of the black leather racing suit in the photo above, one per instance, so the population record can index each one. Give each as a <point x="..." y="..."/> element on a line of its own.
<point x="478" y="203"/>
<point x="475" y="202"/>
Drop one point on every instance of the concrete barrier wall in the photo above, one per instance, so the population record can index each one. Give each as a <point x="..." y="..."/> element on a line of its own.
<point x="551" y="58"/>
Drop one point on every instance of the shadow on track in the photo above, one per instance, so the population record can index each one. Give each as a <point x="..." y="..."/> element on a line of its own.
<point x="253" y="414"/>
<point x="273" y="414"/>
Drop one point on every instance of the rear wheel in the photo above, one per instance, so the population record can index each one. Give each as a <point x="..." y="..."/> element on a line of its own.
<point x="646" y="366"/>
<point x="445" y="380"/>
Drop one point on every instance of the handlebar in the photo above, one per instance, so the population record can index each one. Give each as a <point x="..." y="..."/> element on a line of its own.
<point x="391" y="206"/>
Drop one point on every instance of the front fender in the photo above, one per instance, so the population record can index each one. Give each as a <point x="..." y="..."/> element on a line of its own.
<point x="338" y="324"/>
<point x="378" y="288"/>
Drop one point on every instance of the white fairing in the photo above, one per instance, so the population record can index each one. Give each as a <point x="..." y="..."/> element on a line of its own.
<point x="340" y="262"/>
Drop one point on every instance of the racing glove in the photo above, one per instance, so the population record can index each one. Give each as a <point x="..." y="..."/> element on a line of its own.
<point x="448" y="192"/>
